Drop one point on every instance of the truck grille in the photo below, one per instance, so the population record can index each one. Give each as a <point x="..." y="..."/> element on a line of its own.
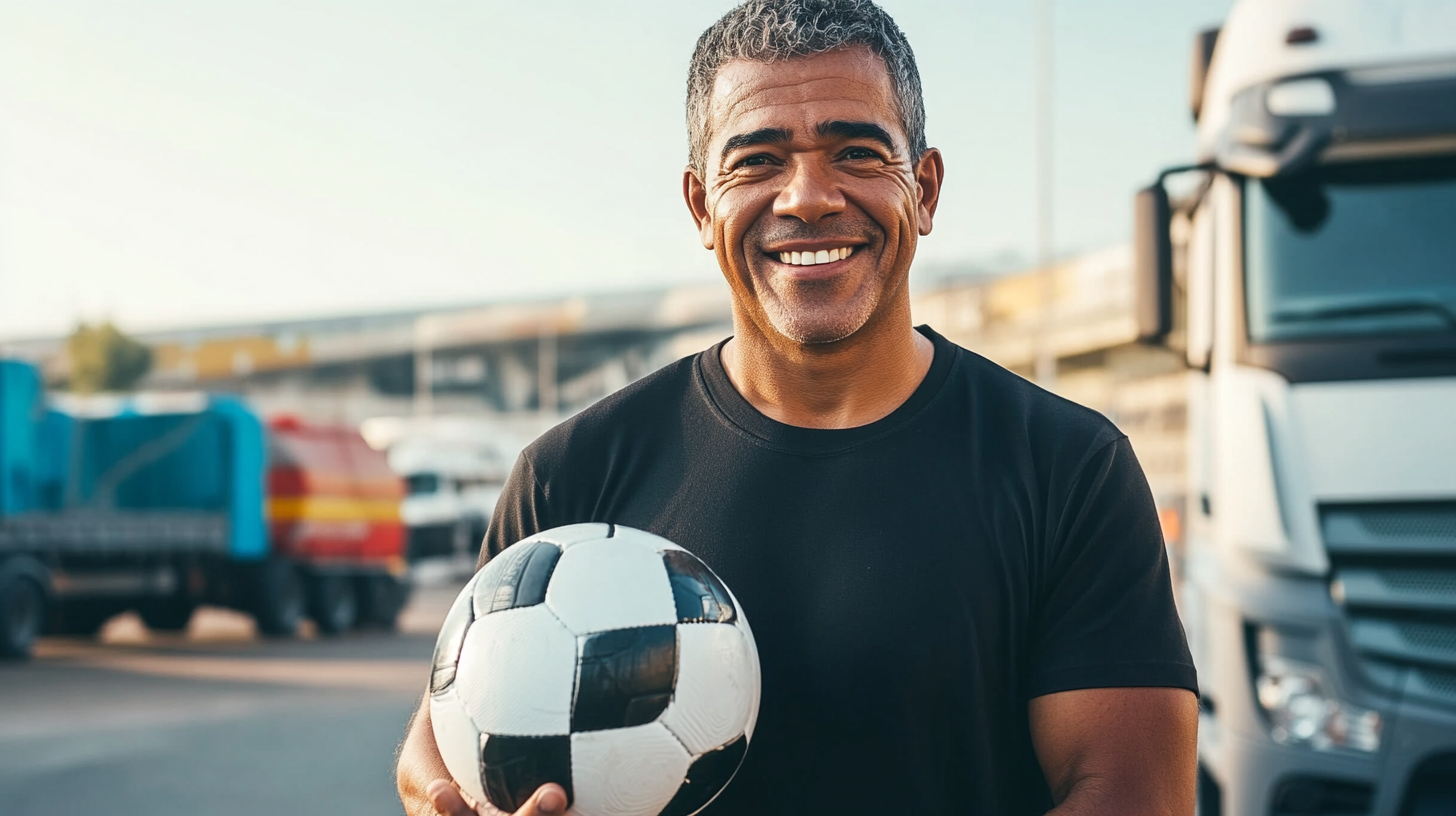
<point x="1394" y="572"/>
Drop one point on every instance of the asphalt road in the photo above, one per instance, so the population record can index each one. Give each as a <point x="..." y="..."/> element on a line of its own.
<point x="213" y="723"/>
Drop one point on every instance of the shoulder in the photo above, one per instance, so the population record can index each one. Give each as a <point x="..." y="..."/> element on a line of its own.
<point x="625" y="415"/>
<point x="1009" y="409"/>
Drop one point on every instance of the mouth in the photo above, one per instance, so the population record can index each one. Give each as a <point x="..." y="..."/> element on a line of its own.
<point x="813" y="257"/>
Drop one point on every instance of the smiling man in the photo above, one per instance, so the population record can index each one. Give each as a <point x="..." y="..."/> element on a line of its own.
<point x="957" y="580"/>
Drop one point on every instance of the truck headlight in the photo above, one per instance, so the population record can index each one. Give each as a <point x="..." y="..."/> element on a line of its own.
<point x="1302" y="710"/>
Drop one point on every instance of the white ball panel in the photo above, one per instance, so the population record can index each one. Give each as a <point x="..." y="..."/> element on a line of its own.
<point x="610" y="584"/>
<point x="458" y="741"/>
<point x="741" y="622"/>
<point x="717" y="686"/>
<point x="517" y="673"/>
<point x="626" y="771"/>
<point x="655" y="543"/>
<point x="570" y="534"/>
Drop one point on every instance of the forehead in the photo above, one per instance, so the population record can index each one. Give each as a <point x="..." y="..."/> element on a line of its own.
<point x="849" y="84"/>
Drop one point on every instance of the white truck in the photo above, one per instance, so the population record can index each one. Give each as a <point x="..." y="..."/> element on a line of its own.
<point x="1306" y="267"/>
<point x="452" y="490"/>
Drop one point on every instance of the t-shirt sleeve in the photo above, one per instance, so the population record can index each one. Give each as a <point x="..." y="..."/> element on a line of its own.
<point x="518" y="511"/>
<point x="1104" y="611"/>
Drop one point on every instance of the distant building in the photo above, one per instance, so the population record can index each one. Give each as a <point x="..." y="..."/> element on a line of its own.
<point x="545" y="357"/>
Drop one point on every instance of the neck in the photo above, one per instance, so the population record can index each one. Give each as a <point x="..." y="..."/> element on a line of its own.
<point x="844" y="384"/>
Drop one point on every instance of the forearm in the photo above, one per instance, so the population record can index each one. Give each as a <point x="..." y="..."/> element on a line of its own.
<point x="418" y="764"/>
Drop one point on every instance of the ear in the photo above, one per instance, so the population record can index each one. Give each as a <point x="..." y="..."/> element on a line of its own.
<point x="929" y="174"/>
<point x="695" y="193"/>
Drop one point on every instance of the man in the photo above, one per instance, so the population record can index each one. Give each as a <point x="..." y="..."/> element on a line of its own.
<point x="956" y="580"/>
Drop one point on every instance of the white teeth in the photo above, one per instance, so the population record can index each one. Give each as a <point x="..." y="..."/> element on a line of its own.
<point x="818" y="257"/>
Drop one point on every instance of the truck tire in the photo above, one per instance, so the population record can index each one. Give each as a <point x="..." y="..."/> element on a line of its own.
<point x="166" y="614"/>
<point x="381" y="598"/>
<point x="278" y="602"/>
<point x="83" y="617"/>
<point x="22" y="615"/>
<point x="332" y="603"/>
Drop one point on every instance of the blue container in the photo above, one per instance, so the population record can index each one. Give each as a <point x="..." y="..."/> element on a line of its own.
<point x="22" y="411"/>
<point x="211" y="460"/>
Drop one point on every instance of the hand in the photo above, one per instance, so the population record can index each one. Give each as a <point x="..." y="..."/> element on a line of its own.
<point x="549" y="800"/>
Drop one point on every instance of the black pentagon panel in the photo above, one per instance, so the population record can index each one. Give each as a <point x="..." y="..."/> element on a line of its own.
<point x="512" y="768"/>
<point x="707" y="777"/>
<point x="518" y="576"/>
<point x="699" y="595"/>
<point x="447" y="648"/>
<point x="624" y="677"/>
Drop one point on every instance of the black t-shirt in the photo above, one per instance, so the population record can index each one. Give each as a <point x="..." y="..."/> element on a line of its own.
<point x="911" y="583"/>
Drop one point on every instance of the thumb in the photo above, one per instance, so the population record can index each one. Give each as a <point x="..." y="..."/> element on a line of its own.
<point x="550" y="800"/>
<point x="447" y="800"/>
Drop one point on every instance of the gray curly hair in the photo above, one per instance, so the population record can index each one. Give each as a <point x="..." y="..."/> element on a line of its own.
<point x="772" y="30"/>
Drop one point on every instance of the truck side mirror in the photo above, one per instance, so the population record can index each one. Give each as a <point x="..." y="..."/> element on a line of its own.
<point x="1153" y="263"/>
<point x="1203" y="45"/>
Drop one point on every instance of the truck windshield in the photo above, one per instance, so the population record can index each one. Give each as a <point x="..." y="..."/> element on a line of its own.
<point x="1352" y="250"/>
<point x="420" y="484"/>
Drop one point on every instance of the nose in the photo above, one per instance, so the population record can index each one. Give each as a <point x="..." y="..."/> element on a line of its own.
<point x="809" y="194"/>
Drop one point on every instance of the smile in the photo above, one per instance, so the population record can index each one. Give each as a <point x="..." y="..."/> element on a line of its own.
<point x="811" y="258"/>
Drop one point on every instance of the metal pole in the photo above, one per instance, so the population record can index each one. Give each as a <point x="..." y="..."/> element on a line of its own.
<point x="1046" y="360"/>
<point x="424" y="372"/>
<point x="546" y="370"/>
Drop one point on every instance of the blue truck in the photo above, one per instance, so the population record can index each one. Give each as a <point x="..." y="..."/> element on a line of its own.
<point x="160" y="504"/>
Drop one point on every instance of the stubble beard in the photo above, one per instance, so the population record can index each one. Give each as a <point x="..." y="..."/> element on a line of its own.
<point x="810" y="314"/>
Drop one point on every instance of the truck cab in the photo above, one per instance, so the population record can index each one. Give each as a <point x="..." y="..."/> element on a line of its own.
<point x="1305" y="267"/>
<point x="452" y="492"/>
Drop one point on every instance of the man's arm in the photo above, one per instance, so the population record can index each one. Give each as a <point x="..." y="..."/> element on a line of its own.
<point x="1118" y="751"/>
<point x="425" y="788"/>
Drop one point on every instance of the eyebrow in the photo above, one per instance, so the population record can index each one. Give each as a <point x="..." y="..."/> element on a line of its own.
<point x="857" y="130"/>
<point x="762" y="136"/>
<point x="841" y="129"/>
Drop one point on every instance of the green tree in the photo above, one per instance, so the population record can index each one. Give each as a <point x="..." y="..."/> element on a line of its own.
<point x="103" y="358"/>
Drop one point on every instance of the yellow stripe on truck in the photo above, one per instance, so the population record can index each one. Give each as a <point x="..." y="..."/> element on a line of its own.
<point x="331" y="508"/>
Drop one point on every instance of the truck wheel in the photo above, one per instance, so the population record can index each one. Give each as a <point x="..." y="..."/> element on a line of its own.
<point x="381" y="598"/>
<point x="333" y="604"/>
<point x="22" y="613"/>
<point x="166" y="614"/>
<point x="278" y="603"/>
<point x="83" y="617"/>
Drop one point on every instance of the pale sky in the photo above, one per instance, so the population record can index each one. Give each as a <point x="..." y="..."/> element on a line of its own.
<point x="169" y="163"/>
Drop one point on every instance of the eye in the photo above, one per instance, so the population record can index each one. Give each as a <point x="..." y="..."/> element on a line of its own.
<point x="859" y="154"/>
<point x="758" y="160"/>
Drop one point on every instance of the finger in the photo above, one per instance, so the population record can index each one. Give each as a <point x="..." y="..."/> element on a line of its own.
<point x="446" y="800"/>
<point x="549" y="800"/>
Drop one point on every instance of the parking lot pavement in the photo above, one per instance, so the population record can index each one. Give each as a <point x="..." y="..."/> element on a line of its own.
<point x="214" y="722"/>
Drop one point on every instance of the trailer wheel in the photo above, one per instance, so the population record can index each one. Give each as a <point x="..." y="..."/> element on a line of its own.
<point x="278" y="603"/>
<point x="333" y="604"/>
<point x="166" y="614"/>
<point x="22" y="614"/>
<point x="381" y="598"/>
<point x="83" y="617"/>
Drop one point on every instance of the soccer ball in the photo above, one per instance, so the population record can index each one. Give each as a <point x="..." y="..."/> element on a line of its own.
<point x="605" y="659"/>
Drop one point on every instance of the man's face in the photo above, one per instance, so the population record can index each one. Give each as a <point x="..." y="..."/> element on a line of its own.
<point x="809" y="195"/>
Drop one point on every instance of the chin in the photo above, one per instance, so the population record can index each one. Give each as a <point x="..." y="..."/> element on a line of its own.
<point x="812" y="326"/>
